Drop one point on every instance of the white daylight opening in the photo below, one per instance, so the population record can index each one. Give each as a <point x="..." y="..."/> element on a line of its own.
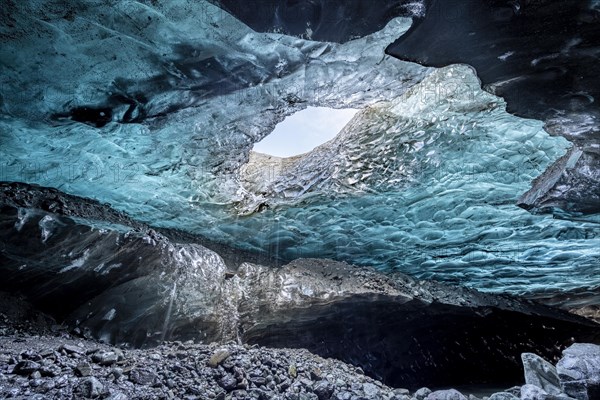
<point x="303" y="131"/>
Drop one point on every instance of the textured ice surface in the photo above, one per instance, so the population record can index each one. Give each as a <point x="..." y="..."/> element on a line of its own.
<point x="427" y="183"/>
<point x="172" y="97"/>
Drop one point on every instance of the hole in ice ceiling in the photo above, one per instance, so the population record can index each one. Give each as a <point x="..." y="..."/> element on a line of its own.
<point x="304" y="130"/>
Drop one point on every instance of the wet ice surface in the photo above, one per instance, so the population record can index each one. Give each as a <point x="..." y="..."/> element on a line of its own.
<point x="423" y="181"/>
<point x="427" y="184"/>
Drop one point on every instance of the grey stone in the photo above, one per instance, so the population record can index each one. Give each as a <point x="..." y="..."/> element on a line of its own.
<point x="342" y="395"/>
<point x="218" y="357"/>
<point x="370" y="390"/>
<point x="116" y="372"/>
<point x="26" y="367"/>
<point x="105" y="358"/>
<point x="316" y="374"/>
<point x="540" y="373"/>
<point x="450" y="394"/>
<point x="258" y="380"/>
<point x="117" y="396"/>
<point x="83" y="369"/>
<point x="50" y="370"/>
<point x="69" y="349"/>
<point x="90" y="387"/>
<point x="579" y="371"/>
<point x="142" y="376"/>
<point x="400" y="397"/>
<point x="324" y="390"/>
<point x="228" y="382"/>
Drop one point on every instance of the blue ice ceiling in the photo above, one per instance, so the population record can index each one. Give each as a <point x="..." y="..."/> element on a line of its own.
<point x="155" y="108"/>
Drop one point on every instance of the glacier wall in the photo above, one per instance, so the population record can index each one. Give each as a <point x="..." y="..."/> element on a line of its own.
<point x="154" y="108"/>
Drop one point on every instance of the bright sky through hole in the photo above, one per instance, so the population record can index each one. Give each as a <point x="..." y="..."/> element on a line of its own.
<point x="301" y="132"/>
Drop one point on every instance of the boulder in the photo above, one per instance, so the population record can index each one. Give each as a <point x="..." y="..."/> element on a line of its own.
<point x="540" y="373"/>
<point x="105" y="357"/>
<point x="26" y="367"/>
<point x="532" y="392"/>
<point x="422" y="393"/>
<point x="218" y="357"/>
<point x="90" y="388"/>
<point x="579" y="371"/>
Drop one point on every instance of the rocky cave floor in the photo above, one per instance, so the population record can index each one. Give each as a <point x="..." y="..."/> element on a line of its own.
<point x="43" y="360"/>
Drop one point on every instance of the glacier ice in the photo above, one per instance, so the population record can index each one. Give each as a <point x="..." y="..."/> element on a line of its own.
<point x="154" y="109"/>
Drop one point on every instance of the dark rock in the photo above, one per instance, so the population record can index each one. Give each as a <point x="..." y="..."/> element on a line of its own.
<point x="342" y="395"/>
<point x="371" y="391"/>
<point x="30" y="355"/>
<point x="218" y="357"/>
<point x="258" y="380"/>
<point x="540" y="373"/>
<point x="579" y="371"/>
<point x="70" y="349"/>
<point x="324" y="390"/>
<point x="26" y="367"/>
<point x="228" y="382"/>
<point x="142" y="376"/>
<point x="83" y="369"/>
<point x="316" y="374"/>
<point x="116" y="395"/>
<point x="116" y="372"/>
<point x="90" y="387"/>
<point x="47" y="353"/>
<point x="105" y="357"/>
<point x="51" y="370"/>
<point x="35" y="380"/>
<point x="47" y="386"/>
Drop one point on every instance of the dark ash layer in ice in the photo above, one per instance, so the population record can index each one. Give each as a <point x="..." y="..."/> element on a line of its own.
<point x="330" y="21"/>
<point x="125" y="285"/>
<point x="540" y="57"/>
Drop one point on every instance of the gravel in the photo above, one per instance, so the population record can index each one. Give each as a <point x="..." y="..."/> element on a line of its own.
<point x="67" y="367"/>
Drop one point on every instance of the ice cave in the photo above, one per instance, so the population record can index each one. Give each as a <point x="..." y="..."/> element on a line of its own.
<point x="300" y="199"/>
